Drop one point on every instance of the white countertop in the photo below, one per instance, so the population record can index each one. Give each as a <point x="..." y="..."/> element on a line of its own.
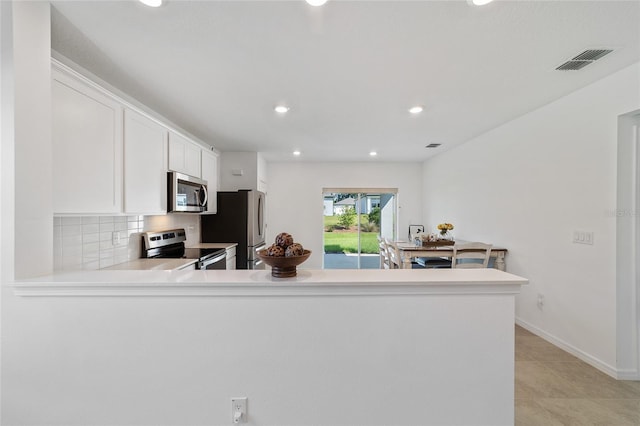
<point x="151" y="265"/>
<point x="165" y="264"/>
<point x="261" y="283"/>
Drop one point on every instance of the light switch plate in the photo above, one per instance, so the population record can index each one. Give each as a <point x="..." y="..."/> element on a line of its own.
<point x="239" y="410"/>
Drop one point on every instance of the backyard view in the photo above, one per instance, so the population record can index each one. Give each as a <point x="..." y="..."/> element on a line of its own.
<point x="352" y="224"/>
<point x="341" y="232"/>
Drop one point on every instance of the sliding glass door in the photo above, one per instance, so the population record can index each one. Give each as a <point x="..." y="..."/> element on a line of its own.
<point x="353" y="221"/>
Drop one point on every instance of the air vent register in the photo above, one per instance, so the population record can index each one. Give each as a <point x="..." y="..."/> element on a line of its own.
<point x="583" y="59"/>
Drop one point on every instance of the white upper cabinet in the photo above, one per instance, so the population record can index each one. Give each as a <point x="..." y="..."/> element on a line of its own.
<point x="210" y="174"/>
<point x="110" y="157"/>
<point x="87" y="148"/>
<point x="184" y="155"/>
<point x="145" y="165"/>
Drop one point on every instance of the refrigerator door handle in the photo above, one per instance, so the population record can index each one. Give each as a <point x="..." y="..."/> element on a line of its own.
<point x="260" y="216"/>
<point x="252" y="251"/>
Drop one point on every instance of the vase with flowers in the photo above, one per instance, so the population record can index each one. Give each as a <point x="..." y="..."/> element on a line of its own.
<point x="445" y="231"/>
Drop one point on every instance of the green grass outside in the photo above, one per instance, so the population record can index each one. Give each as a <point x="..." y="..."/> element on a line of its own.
<point x="347" y="242"/>
<point x="333" y="220"/>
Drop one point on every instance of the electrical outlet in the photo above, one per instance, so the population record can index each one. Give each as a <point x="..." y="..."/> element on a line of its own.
<point x="588" y="238"/>
<point x="239" y="410"/>
<point x="540" y="301"/>
<point x="115" y="238"/>
<point x="583" y="237"/>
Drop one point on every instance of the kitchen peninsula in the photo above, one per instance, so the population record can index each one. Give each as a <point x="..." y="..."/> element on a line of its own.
<point x="330" y="347"/>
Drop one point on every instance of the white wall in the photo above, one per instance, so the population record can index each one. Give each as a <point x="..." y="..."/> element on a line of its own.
<point x="7" y="165"/>
<point x="301" y="359"/>
<point x="33" y="171"/>
<point x="262" y="172"/>
<point x="295" y="202"/>
<point x="234" y="162"/>
<point x="527" y="185"/>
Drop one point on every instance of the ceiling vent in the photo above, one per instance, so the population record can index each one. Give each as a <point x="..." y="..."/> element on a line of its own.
<point x="584" y="59"/>
<point x="433" y="145"/>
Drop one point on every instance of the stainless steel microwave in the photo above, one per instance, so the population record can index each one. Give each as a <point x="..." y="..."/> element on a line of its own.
<point x="186" y="193"/>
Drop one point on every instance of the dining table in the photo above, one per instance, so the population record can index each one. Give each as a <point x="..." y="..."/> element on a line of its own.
<point x="409" y="250"/>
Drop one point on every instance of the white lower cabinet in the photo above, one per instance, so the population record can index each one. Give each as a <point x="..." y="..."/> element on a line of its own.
<point x="231" y="258"/>
<point x="210" y="174"/>
<point x="145" y="165"/>
<point x="87" y="148"/>
<point x="191" y="267"/>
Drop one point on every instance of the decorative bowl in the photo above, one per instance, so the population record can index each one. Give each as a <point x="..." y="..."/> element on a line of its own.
<point x="282" y="266"/>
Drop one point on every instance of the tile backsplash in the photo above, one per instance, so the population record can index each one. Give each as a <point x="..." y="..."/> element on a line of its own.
<point x="95" y="242"/>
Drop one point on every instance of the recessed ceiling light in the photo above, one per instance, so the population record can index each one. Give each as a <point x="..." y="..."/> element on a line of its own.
<point x="316" y="2"/>
<point x="152" y="3"/>
<point x="373" y="153"/>
<point x="416" y="109"/>
<point x="281" y="109"/>
<point x="480" y="2"/>
<point x="296" y="153"/>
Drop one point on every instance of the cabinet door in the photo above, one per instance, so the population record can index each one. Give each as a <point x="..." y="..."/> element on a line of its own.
<point x="231" y="263"/>
<point x="193" y="160"/>
<point x="87" y="148"/>
<point x="184" y="155"/>
<point x="231" y="258"/>
<point x="210" y="174"/>
<point x="145" y="165"/>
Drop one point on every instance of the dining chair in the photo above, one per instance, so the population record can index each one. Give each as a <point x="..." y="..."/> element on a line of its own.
<point x="385" y="262"/>
<point x="473" y="255"/>
<point x="395" y="261"/>
<point x="433" y="262"/>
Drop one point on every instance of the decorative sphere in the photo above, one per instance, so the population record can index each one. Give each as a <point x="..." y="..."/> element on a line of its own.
<point x="284" y="240"/>
<point x="294" y="249"/>
<point x="275" y="251"/>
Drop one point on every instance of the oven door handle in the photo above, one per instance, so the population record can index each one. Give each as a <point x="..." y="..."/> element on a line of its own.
<point x="216" y="259"/>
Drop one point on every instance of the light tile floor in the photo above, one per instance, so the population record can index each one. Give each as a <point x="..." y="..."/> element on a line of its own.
<point x="555" y="388"/>
<point x="350" y="261"/>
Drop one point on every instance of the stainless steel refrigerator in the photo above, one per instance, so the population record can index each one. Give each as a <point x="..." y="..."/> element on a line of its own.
<point x="240" y="219"/>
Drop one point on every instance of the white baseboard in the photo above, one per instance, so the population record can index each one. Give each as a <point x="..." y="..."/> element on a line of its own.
<point x="628" y="375"/>
<point x="592" y="361"/>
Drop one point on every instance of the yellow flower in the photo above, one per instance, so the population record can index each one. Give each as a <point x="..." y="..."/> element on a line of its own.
<point x="444" y="228"/>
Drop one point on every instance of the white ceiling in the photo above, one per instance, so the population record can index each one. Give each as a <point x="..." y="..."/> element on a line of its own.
<point x="349" y="70"/>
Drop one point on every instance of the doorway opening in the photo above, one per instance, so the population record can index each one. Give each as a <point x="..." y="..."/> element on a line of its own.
<point x="627" y="216"/>
<point x="354" y="219"/>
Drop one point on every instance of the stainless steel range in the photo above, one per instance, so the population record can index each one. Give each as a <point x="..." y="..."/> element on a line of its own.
<point x="170" y="245"/>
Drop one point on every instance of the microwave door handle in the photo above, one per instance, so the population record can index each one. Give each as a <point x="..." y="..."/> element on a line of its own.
<point x="203" y="189"/>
